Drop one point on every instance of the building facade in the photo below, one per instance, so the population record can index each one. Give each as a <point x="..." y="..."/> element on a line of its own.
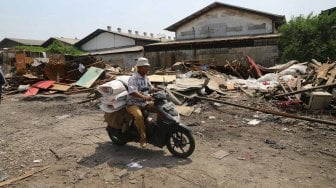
<point x="115" y="47"/>
<point x="220" y="32"/>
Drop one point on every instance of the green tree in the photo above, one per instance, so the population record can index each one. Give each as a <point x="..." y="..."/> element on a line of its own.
<point x="305" y="38"/>
<point x="58" y="47"/>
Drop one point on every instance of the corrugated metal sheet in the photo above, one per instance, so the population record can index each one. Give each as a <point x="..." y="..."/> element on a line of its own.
<point x="116" y="51"/>
<point x="236" y="38"/>
<point x="132" y="36"/>
<point x="27" y="42"/>
<point x="68" y="41"/>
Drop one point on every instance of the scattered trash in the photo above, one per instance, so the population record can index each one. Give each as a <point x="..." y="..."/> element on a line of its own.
<point x="198" y="110"/>
<point x="254" y="122"/>
<point x="3" y="175"/>
<point x="134" y="165"/>
<point x="220" y="154"/>
<point x="212" y="117"/>
<point x="122" y="173"/>
<point x="274" y="144"/>
<point x="62" y="117"/>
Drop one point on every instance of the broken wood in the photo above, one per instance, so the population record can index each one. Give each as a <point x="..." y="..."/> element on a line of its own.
<point x="86" y="100"/>
<point x="332" y="76"/>
<point x="322" y="73"/>
<point x="25" y="175"/>
<point x="317" y="63"/>
<point x="271" y="111"/>
<point x="246" y="92"/>
<point x="304" y="90"/>
<point x="11" y="92"/>
<point x="298" y="87"/>
<point x="327" y="153"/>
<point x="79" y="91"/>
<point x="56" y="155"/>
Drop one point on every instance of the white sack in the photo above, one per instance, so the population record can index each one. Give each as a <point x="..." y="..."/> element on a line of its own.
<point x="112" y="87"/>
<point x="118" y="105"/>
<point x="124" y="79"/>
<point x="110" y="99"/>
<point x="297" y="68"/>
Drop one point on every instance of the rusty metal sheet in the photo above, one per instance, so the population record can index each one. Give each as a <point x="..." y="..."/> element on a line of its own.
<point x="52" y="70"/>
<point x="43" y="84"/>
<point x="89" y="77"/>
<point x="20" y="63"/>
<point x="31" y="91"/>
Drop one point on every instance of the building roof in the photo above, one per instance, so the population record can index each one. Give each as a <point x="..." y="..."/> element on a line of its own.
<point x="99" y="31"/>
<point x="68" y="41"/>
<point x="116" y="50"/>
<point x="279" y="19"/>
<point x="329" y="11"/>
<point x="211" y="40"/>
<point x="28" y="42"/>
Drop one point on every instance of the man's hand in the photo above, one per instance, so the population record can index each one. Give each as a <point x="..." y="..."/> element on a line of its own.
<point x="153" y="90"/>
<point x="148" y="98"/>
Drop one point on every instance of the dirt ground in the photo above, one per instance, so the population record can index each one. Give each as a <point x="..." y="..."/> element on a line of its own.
<point x="68" y="143"/>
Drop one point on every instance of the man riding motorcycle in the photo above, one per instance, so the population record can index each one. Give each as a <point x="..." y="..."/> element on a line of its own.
<point x="139" y="88"/>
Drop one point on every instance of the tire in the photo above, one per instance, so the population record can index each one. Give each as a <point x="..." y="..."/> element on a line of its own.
<point x="115" y="136"/>
<point x="177" y="142"/>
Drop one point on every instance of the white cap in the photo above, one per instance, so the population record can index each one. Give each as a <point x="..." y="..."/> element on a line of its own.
<point x="142" y="61"/>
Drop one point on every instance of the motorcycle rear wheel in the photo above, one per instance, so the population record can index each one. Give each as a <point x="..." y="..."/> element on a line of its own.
<point x="178" y="143"/>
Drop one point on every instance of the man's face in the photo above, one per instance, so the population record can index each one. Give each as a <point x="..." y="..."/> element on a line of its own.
<point x="143" y="70"/>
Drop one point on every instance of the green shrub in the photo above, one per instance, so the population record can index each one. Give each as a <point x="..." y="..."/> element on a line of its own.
<point x="31" y="48"/>
<point x="58" y="47"/>
<point x="305" y="38"/>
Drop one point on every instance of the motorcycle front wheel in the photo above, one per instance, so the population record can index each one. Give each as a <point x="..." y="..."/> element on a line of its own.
<point x="181" y="143"/>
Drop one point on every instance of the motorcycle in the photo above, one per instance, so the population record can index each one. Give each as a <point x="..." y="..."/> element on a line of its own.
<point x="166" y="130"/>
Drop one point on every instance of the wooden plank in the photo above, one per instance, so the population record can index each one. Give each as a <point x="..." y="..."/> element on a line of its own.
<point x="331" y="77"/>
<point x="162" y="78"/>
<point x="79" y="91"/>
<point x="298" y="87"/>
<point x="60" y="87"/>
<point x="323" y="70"/>
<point x="230" y="86"/>
<point x="304" y="90"/>
<point x="25" y="175"/>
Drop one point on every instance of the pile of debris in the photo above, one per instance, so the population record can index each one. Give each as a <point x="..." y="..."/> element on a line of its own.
<point x="306" y="85"/>
<point x="57" y="73"/>
<point x="309" y="84"/>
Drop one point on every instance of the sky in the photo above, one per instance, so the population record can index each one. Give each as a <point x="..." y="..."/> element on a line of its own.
<point x="42" y="19"/>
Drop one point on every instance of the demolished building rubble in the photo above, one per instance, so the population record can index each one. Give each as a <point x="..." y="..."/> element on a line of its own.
<point x="307" y="85"/>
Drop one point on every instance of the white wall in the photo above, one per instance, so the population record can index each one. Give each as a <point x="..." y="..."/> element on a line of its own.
<point x="107" y="40"/>
<point x="124" y="60"/>
<point x="222" y="22"/>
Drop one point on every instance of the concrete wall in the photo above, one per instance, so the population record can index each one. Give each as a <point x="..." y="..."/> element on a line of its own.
<point x="107" y="40"/>
<point x="124" y="60"/>
<point x="263" y="55"/>
<point x="223" y="22"/>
